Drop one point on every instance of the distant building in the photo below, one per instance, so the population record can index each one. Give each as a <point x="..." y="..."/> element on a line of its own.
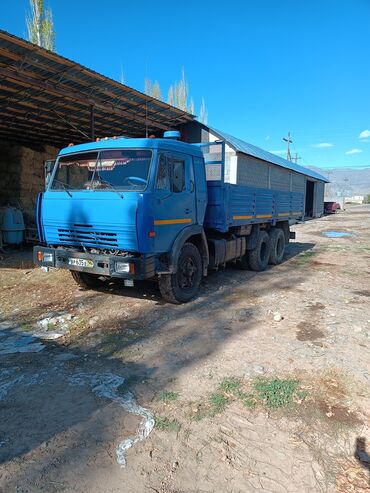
<point x="355" y="199"/>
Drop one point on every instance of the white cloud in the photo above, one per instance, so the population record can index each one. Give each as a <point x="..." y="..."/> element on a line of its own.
<point x="364" y="134"/>
<point x="322" y="145"/>
<point x="267" y="137"/>
<point x="354" y="151"/>
<point x="279" y="151"/>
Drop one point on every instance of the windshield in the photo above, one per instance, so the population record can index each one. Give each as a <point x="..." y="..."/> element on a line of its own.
<point x="120" y="169"/>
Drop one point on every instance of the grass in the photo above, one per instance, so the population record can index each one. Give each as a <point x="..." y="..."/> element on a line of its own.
<point x="165" y="424"/>
<point x="276" y="393"/>
<point x="305" y="258"/>
<point x="269" y="393"/>
<point x="248" y="399"/>
<point x="218" y="402"/>
<point x="167" y="396"/>
<point x="230" y="385"/>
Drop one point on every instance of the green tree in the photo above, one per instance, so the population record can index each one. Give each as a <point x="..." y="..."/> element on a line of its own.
<point x="40" y="25"/>
<point x="367" y="199"/>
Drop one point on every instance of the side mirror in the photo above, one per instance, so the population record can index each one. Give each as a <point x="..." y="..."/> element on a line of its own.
<point x="48" y="167"/>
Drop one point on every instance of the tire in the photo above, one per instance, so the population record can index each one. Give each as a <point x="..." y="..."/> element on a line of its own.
<point x="243" y="263"/>
<point x="183" y="286"/>
<point x="277" y="246"/>
<point x="86" y="280"/>
<point x="259" y="256"/>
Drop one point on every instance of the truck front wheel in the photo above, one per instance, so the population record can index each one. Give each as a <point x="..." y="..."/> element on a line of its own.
<point x="259" y="256"/>
<point x="183" y="285"/>
<point x="86" y="280"/>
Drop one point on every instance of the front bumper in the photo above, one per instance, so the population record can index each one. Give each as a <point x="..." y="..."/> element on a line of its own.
<point x="103" y="265"/>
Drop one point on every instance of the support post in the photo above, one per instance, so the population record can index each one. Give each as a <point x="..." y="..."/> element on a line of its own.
<point x="92" y="122"/>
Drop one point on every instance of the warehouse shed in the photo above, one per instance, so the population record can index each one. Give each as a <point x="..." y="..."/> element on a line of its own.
<point x="246" y="164"/>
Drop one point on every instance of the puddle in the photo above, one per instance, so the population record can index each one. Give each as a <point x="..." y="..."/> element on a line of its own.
<point x="336" y="234"/>
<point x="12" y="340"/>
<point x="106" y="385"/>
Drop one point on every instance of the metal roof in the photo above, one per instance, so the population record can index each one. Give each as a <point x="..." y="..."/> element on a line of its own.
<point x="241" y="146"/>
<point x="48" y="99"/>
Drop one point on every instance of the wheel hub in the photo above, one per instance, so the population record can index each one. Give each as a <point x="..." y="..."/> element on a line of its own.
<point x="187" y="272"/>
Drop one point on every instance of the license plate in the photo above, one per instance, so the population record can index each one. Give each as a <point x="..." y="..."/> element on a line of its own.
<point x="81" y="262"/>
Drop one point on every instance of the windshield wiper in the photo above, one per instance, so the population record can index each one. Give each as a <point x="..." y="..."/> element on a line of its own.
<point x="112" y="187"/>
<point x="64" y="186"/>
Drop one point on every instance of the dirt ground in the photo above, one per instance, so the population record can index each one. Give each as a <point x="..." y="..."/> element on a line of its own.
<point x="259" y="385"/>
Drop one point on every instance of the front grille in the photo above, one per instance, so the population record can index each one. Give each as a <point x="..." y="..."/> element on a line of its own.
<point x="87" y="236"/>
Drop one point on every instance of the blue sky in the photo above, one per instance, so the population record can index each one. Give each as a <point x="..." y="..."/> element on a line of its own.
<point x="264" y="68"/>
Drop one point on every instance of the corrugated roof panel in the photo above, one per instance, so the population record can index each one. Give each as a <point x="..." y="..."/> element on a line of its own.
<point x="242" y="146"/>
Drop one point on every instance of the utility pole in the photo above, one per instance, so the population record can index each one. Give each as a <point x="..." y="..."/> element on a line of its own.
<point x="296" y="158"/>
<point x="289" y="141"/>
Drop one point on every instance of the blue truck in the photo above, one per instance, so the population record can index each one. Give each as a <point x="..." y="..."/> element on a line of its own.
<point x="157" y="208"/>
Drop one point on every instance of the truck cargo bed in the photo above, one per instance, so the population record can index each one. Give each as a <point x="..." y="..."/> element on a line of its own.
<point x="234" y="205"/>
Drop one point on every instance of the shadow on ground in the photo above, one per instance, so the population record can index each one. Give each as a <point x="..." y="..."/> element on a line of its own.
<point x="39" y="406"/>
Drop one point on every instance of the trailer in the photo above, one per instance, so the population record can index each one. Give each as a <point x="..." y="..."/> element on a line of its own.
<point x="159" y="208"/>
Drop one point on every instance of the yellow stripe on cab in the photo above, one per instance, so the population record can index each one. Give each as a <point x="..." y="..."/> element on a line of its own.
<point x="162" y="222"/>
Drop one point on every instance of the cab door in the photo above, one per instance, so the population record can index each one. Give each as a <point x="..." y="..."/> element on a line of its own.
<point x="174" y="198"/>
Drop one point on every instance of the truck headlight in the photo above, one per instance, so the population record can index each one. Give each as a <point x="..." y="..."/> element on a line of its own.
<point x="48" y="257"/>
<point x="122" y="267"/>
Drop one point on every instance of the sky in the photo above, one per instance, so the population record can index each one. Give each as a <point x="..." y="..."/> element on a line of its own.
<point x="264" y="68"/>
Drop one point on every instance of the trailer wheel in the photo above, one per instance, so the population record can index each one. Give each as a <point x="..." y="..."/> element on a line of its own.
<point x="259" y="256"/>
<point x="277" y="249"/>
<point x="86" y="280"/>
<point x="182" y="286"/>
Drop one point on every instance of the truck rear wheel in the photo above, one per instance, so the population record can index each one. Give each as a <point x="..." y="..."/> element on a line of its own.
<point x="182" y="286"/>
<point x="86" y="280"/>
<point x="277" y="248"/>
<point x="259" y="256"/>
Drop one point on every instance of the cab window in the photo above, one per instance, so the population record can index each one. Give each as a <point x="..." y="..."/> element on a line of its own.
<point x="178" y="175"/>
<point x="170" y="174"/>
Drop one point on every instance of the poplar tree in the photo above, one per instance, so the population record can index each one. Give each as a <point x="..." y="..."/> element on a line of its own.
<point x="40" y="25"/>
<point x="203" y="113"/>
<point x="153" y="90"/>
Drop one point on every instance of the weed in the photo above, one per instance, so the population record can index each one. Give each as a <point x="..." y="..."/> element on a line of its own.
<point x="305" y="258"/>
<point x="187" y="433"/>
<point x="276" y="393"/>
<point x="26" y="326"/>
<point x="218" y="403"/>
<point x="230" y="385"/>
<point x="167" y="396"/>
<point x="249" y="400"/>
<point x="165" y="424"/>
<point x="301" y="394"/>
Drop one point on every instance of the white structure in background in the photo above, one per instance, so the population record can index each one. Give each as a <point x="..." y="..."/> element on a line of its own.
<point x="355" y="199"/>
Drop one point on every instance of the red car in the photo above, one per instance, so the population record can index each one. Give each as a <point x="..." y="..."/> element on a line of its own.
<point x="331" y="207"/>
